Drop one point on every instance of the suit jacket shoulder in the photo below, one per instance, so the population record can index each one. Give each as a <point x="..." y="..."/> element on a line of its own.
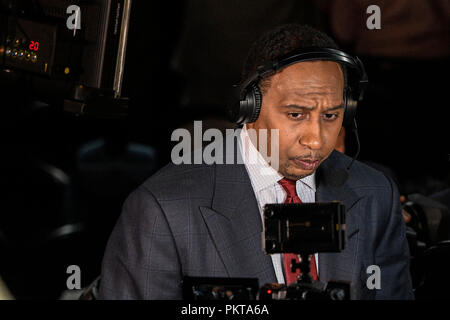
<point x="360" y="174"/>
<point x="184" y="181"/>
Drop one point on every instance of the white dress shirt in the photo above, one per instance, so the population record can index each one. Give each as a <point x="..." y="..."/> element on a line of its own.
<point x="264" y="180"/>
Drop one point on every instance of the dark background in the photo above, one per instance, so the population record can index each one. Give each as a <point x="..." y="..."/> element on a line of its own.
<point x="182" y="59"/>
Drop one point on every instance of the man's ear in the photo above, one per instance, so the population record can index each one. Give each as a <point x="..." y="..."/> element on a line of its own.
<point x="250" y="125"/>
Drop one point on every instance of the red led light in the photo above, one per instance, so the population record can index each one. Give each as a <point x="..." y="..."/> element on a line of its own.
<point x="34" y="45"/>
<point x="269" y="291"/>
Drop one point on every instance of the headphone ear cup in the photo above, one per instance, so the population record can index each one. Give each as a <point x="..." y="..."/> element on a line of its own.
<point x="350" y="106"/>
<point x="234" y="105"/>
<point x="254" y="104"/>
<point x="245" y="110"/>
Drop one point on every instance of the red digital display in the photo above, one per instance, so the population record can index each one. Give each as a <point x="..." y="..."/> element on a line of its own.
<point x="34" y="45"/>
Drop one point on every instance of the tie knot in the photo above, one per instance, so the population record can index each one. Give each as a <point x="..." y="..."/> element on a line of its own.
<point x="289" y="186"/>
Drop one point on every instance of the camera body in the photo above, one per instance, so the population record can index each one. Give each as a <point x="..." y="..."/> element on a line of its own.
<point x="304" y="228"/>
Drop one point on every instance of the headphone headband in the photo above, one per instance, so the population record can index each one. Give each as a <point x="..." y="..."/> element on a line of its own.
<point x="307" y="54"/>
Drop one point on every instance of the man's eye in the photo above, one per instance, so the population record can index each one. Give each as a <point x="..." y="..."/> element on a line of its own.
<point x="295" y="115"/>
<point x="331" y="116"/>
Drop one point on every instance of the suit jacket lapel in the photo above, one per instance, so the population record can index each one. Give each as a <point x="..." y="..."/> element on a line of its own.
<point x="235" y="225"/>
<point x="332" y="187"/>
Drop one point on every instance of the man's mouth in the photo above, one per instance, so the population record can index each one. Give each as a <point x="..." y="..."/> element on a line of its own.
<point x="307" y="164"/>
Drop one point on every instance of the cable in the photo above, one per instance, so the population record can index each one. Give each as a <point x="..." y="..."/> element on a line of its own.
<point x="358" y="144"/>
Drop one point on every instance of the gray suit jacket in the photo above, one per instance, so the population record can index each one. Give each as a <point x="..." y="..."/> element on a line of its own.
<point x="203" y="220"/>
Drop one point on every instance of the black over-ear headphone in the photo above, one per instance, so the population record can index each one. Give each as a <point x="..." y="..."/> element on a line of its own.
<point x="247" y="99"/>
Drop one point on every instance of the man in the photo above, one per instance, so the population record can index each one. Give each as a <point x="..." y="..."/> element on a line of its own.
<point x="205" y="220"/>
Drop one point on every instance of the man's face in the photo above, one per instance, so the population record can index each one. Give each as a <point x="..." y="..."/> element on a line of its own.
<point x="305" y="102"/>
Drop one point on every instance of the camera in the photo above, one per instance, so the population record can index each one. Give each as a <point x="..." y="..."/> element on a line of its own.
<point x="300" y="228"/>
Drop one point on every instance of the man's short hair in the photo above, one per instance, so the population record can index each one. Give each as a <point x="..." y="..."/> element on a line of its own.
<point x="280" y="41"/>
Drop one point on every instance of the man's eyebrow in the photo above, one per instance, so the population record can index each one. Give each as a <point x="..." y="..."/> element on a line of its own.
<point x="341" y="106"/>
<point x="295" y="106"/>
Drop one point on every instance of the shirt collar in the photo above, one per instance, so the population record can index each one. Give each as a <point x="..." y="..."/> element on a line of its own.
<point x="261" y="173"/>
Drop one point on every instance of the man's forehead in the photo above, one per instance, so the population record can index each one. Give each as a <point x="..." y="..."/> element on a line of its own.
<point x="317" y="77"/>
<point x="307" y="70"/>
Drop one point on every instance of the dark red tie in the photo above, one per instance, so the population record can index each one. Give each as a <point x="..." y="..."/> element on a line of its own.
<point x="290" y="187"/>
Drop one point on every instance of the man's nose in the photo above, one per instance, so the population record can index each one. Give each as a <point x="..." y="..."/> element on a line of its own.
<point x="310" y="135"/>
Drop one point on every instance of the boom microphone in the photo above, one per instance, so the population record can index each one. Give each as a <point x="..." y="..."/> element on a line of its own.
<point x="341" y="175"/>
<point x="358" y="145"/>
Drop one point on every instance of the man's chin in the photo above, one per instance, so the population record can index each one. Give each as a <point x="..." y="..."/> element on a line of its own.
<point x="296" y="174"/>
<point x="296" y="171"/>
